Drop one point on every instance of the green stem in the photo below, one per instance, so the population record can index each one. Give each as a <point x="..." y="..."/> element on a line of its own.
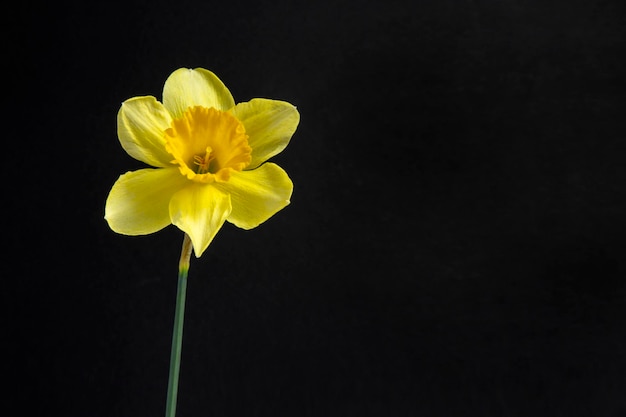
<point x="177" y="334"/>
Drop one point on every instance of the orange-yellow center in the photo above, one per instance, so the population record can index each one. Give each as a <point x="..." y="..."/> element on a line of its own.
<point x="208" y="144"/>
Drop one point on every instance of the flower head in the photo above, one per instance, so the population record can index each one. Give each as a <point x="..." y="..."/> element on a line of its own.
<point x="209" y="157"/>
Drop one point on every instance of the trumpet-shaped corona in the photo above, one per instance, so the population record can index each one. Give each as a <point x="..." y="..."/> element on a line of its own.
<point x="207" y="144"/>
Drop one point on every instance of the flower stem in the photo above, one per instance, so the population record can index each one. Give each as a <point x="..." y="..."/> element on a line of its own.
<point x="177" y="334"/>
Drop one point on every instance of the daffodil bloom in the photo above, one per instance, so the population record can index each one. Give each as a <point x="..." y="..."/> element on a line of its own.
<point x="209" y="157"/>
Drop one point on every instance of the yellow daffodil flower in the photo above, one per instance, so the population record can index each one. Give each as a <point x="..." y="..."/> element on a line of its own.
<point x="210" y="157"/>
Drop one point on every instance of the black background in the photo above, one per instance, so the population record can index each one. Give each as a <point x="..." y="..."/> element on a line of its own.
<point x="454" y="245"/>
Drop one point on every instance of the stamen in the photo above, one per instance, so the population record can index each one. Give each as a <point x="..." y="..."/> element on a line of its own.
<point x="203" y="162"/>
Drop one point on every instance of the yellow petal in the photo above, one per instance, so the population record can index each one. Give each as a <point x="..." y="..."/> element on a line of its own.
<point x="257" y="195"/>
<point x="141" y="123"/>
<point x="200" y="211"/>
<point x="269" y="125"/>
<point x="186" y="88"/>
<point x="138" y="202"/>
